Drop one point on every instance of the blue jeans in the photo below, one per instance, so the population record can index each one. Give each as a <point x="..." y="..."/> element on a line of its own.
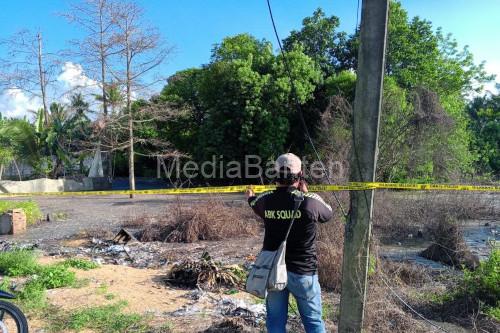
<point x="307" y="292"/>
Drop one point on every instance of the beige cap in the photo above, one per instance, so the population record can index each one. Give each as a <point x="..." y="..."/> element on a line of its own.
<point x="289" y="160"/>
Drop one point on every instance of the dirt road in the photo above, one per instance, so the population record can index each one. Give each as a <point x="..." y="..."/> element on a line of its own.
<point x="72" y="215"/>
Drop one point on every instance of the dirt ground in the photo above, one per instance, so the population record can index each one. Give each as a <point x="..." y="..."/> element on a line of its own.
<point x="76" y="214"/>
<point x="142" y="288"/>
<point x="144" y="291"/>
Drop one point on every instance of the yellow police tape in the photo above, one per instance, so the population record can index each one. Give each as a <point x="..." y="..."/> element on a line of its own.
<point x="353" y="186"/>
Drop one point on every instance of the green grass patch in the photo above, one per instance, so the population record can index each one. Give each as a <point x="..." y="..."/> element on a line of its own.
<point x="79" y="263"/>
<point x="30" y="208"/>
<point x="23" y="263"/>
<point x="32" y="296"/>
<point x="55" y="276"/>
<point x="477" y="291"/>
<point x="329" y="311"/>
<point x="18" y="263"/>
<point x="106" y="318"/>
<point x="109" y="296"/>
<point x="102" y="289"/>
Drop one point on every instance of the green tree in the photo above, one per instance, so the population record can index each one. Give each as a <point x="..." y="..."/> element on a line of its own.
<point x="485" y="126"/>
<point x="241" y="102"/>
<point x="321" y="41"/>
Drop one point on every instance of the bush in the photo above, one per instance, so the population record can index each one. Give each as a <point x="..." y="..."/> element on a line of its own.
<point x="18" y="263"/>
<point x="484" y="282"/>
<point x="211" y="220"/>
<point x="55" y="276"/>
<point x="475" y="300"/>
<point x="398" y="214"/>
<point x="30" y="208"/>
<point x="32" y="296"/>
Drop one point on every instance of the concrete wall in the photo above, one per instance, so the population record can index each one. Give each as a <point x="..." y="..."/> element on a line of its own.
<point x="53" y="185"/>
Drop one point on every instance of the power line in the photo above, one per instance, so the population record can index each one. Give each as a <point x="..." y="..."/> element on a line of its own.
<point x="301" y="117"/>
<point x="356" y="158"/>
<point x="299" y="110"/>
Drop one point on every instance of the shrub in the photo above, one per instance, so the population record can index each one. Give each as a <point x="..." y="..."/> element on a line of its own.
<point x="32" y="296"/>
<point x="398" y="214"/>
<point x="484" y="282"/>
<point x="18" y="263"/>
<point x="30" y="208"/>
<point x="55" y="276"/>
<point x="211" y="220"/>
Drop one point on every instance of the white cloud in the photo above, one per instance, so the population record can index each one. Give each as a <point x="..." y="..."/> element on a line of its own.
<point x="73" y="76"/>
<point x="492" y="67"/>
<point x="15" y="103"/>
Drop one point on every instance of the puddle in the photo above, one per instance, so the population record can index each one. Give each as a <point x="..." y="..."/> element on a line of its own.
<point x="479" y="235"/>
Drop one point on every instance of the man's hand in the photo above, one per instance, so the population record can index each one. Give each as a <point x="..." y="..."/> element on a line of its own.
<point x="303" y="186"/>
<point x="249" y="193"/>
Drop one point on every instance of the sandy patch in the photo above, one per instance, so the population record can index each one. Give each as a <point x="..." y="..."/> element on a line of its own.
<point x="142" y="289"/>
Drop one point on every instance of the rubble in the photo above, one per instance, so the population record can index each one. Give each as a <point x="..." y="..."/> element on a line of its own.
<point x="253" y="314"/>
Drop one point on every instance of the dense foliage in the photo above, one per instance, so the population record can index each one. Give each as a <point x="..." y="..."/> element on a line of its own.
<point x="241" y="102"/>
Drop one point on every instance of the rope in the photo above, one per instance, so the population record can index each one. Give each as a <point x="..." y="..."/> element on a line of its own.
<point x="299" y="110"/>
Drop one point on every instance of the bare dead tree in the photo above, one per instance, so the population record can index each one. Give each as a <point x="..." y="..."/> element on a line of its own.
<point x="142" y="51"/>
<point x="96" y="50"/>
<point x="27" y="67"/>
<point x="97" y="47"/>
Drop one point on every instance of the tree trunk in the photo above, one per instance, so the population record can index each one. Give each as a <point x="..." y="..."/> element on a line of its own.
<point x="41" y="74"/>
<point x="131" y="171"/>
<point x="17" y="168"/>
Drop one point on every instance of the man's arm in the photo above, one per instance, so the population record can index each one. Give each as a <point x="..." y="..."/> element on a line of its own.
<point x="323" y="212"/>
<point x="256" y="202"/>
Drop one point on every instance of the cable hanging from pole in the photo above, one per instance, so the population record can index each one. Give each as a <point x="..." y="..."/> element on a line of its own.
<point x="299" y="110"/>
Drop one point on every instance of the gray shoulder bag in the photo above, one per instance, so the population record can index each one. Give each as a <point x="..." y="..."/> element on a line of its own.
<point x="269" y="270"/>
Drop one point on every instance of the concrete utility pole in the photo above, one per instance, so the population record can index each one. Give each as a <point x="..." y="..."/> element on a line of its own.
<point x="367" y="104"/>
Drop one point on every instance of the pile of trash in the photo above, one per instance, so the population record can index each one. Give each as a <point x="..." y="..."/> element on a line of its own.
<point x="206" y="274"/>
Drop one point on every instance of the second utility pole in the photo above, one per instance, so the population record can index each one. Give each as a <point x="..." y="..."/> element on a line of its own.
<point x="367" y="104"/>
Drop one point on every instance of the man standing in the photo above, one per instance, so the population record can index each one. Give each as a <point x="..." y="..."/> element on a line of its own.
<point x="301" y="262"/>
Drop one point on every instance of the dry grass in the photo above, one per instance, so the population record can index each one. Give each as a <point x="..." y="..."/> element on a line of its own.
<point x="406" y="274"/>
<point x="329" y="250"/>
<point x="209" y="220"/>
<point x="384" y="312"/>
<point x="397" y="214"/>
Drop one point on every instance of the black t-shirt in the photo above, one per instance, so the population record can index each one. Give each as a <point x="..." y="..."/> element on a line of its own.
<point x="276" y="208"/>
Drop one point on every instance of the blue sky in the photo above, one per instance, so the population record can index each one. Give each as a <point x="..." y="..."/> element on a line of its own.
<point x="193" y="26"/>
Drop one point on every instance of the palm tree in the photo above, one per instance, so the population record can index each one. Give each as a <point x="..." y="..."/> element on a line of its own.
<point x="23" y="140"/>
<point x="114" y="97"/>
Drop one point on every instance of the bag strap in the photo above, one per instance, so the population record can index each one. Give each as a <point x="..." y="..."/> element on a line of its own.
<point x="297" y="198"/>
